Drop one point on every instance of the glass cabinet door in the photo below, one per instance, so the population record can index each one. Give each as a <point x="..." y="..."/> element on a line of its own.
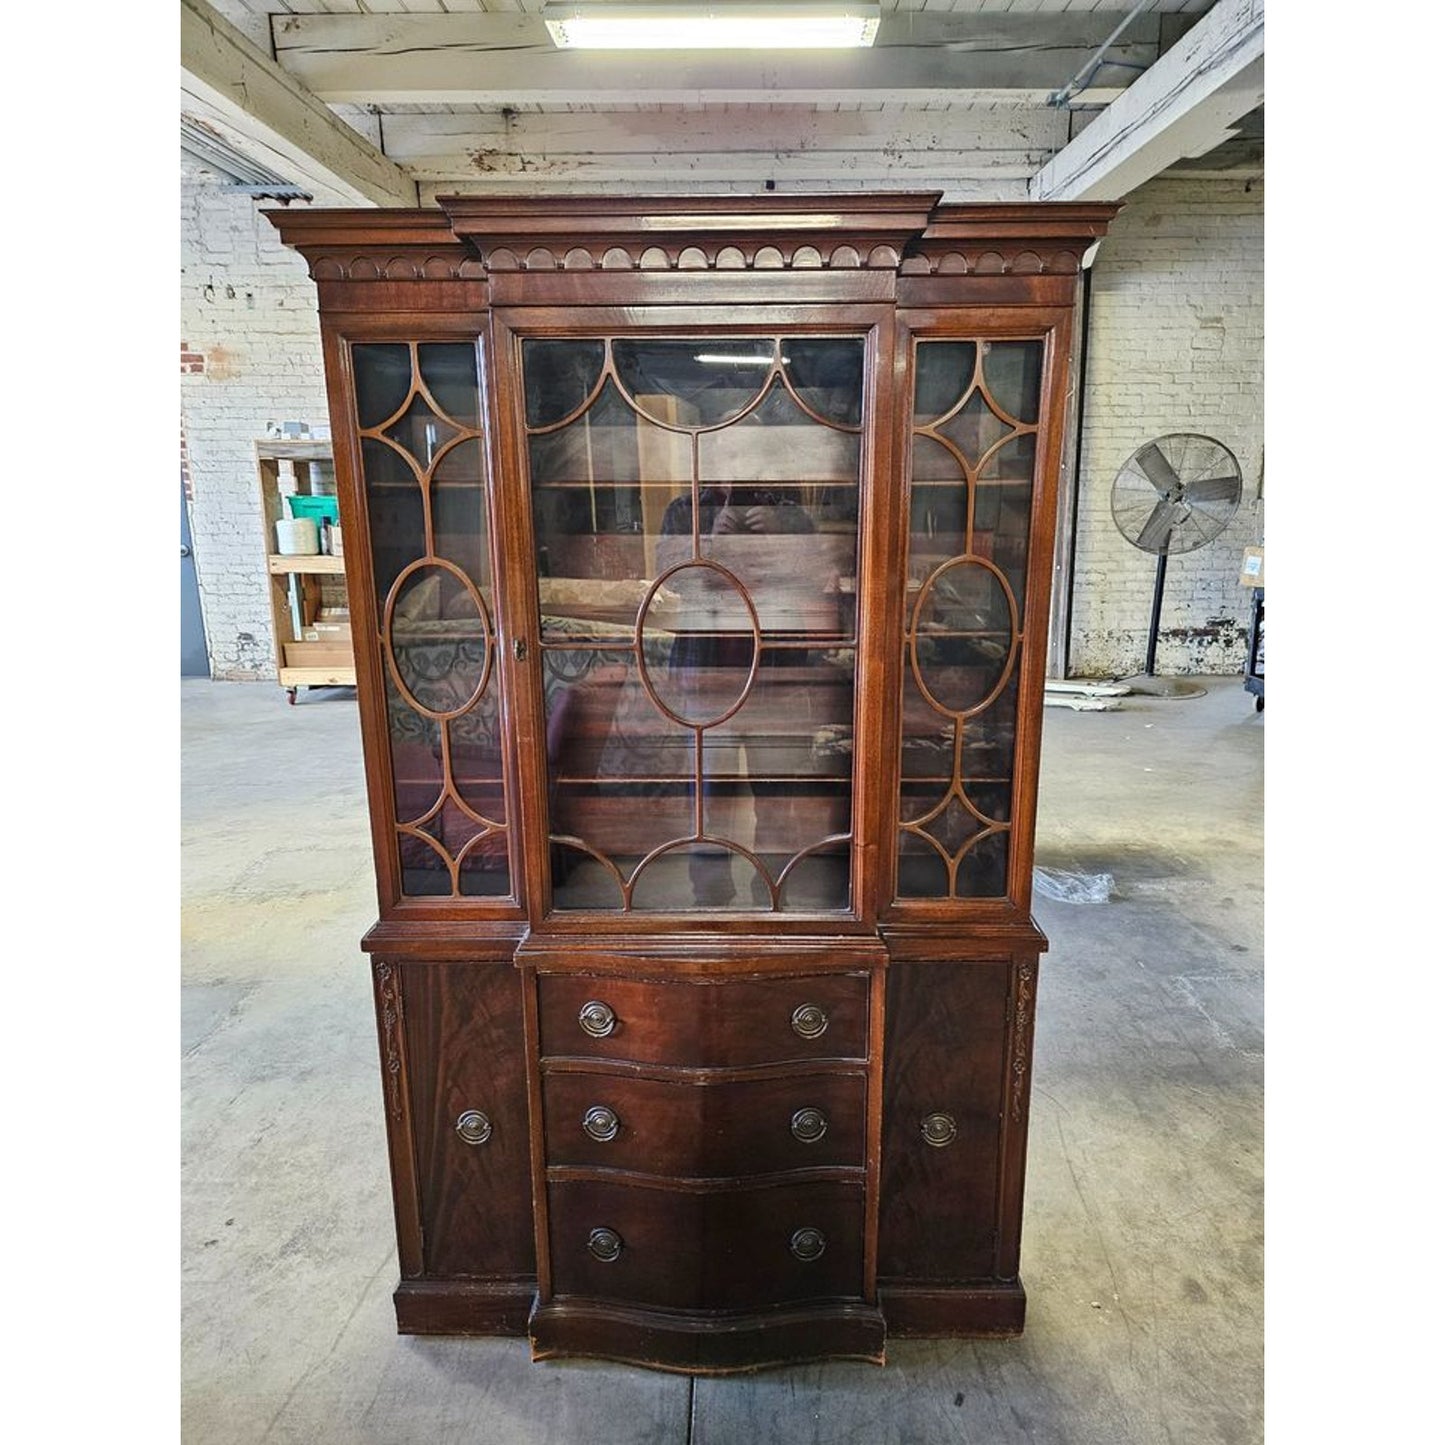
<point x="418" y="412"/>
<point x="695" y="511"/>
<point x="975" y="435"/>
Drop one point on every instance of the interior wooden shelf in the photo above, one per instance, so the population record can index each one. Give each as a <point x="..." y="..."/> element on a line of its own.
<point x="316" y="562"/>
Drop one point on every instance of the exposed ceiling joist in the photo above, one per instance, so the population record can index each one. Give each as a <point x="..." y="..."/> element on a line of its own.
<point x="1187" y="102"/>
<point x="792" y="144"/>
<point x="265" y="113"/>
<point x="507" y="59"/>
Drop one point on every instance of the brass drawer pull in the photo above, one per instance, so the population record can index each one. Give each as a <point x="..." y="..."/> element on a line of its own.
<point x="809" y="1021"/>
<point x="604" y="1244"/>
<point x="597" y="1019"/>
<point x="809" y="1125"/>
<point x="808" y="1244"/>
<point x="474" y="1127"/>
<point x="600" y="1123"/>
<point x="940" y="1130"/>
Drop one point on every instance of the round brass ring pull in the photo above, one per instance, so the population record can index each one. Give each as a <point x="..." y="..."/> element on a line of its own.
<point x="808" y="1244"/>
<point x="597" y="1019"/>
<point x="809" y="1125"/>
<point x="474" y="1127"/>
<point x="940" y="1130"/>
<point x="809" y="1021"/>
<point x="600" y="1123"/>
<point x="605" y="1244"/>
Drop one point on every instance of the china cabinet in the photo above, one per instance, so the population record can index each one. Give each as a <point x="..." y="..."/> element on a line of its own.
<point x="698" y="558"/>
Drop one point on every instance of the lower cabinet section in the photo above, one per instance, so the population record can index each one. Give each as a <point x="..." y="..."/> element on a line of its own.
<point x="716" y="1196"/>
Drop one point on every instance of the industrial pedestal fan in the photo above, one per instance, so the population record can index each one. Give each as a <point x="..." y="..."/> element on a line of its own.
<point x="1174" y="495"/>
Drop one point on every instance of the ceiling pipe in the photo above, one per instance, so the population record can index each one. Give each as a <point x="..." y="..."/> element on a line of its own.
<point x="1081" y="77"/>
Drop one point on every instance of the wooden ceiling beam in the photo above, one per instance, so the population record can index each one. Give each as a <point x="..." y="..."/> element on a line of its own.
<point x="784" y="143"/>
<point x="507" y="59"/>
<point x="1183" y="105"/>
<point x="267" y="114"/>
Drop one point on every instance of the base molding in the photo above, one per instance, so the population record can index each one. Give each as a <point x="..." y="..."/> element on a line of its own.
<point x="703" y="1343"/>
<point x="464" y="1307"/>
<point x="962" y="1311"/>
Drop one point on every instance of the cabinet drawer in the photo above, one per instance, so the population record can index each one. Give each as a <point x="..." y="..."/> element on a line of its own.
<point x="728" y="1250"/>
<point x="705" y="1025"/>
<point x="685" y="1130"/>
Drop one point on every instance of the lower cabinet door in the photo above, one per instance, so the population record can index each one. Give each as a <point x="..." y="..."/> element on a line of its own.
<point x="733" y="1249"/>
<point x="466" y="1073"/>
<point x="943" y="1098"/>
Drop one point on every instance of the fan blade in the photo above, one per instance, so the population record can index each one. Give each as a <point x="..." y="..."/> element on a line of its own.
<point x="1213" y="489"/>
<point x="1157" y="467"/>
<point x="1155" y="534"/>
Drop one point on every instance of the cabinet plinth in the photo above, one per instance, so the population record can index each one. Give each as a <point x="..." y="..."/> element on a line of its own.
<point x="698" y="559"/>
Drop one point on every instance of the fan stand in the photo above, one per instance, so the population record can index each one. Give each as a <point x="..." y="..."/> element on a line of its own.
<point x="1146" y="683"/>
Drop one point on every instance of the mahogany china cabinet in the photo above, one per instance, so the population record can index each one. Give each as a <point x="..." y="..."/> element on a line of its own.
<point x="699" y="558"/>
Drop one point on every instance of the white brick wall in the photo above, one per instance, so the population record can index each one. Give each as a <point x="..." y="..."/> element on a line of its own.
<point x="249" y="310"/>
<point x="1176" y="343"/>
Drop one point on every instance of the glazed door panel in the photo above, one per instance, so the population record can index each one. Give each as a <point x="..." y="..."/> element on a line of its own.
<point x="424" y="478"/>
<point x="695" y="508"/>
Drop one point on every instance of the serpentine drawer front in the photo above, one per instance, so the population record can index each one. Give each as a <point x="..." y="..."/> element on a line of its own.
<point x="700" y="1130"/>
<point x="705" y="1025"/>
<point x="736" y="1249"/>
<point x="699" y="559"/>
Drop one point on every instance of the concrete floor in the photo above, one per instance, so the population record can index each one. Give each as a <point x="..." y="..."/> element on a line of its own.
<point x="1143" y="1250"/>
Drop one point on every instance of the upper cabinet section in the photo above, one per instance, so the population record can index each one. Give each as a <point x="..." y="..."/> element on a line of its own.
<point x="701" y="551"/>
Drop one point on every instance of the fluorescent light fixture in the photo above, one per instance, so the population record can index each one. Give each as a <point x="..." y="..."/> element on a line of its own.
<point x="804" y="26"/>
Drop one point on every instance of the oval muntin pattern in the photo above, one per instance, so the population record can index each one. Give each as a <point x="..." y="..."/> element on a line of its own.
<point x="483" y="616"/>
<point x="776" y="376"/>
<point x="925" y="593"/>
<point x="697" y="725"/>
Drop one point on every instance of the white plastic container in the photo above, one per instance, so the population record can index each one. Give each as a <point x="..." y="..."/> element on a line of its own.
<point x="297" y="537"/>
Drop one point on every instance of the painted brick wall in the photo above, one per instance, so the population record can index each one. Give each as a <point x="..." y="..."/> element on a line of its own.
<point x="1176" y="344"/>
<point x="250" y="353"/>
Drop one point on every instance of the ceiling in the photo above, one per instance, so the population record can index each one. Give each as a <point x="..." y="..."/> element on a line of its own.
<point x="392" y="102"/>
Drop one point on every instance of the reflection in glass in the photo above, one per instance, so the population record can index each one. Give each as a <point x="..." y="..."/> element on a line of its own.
<point x="560" y="376"/>
<point x="1012" y="371"/>
<point x="693" y="383"/>
<point x="449" y="373"/>
<point x="827" y="374"/>
<point x="383" y="381"/>
<point x="696" y="529"/>
<point x="943" y="375"/>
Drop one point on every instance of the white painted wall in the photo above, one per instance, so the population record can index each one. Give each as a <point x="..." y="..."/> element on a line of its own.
<point x="248" y="310"/>
<point x="1176" y="343"/>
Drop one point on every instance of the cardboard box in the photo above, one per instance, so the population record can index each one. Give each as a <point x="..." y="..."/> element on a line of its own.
<point x="1251" y="571"/>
